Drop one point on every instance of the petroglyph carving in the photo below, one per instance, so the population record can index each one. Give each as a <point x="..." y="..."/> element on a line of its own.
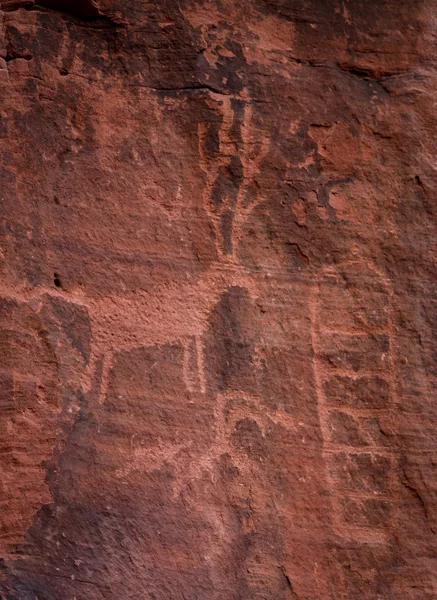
<point x="354" y="363"/>
<point x="230" y="192"/>
<point x="180" y="312"/>
<point x="231" y="408"/>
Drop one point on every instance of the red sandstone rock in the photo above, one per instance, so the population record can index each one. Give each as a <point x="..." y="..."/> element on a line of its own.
<point x="218" y="300"/>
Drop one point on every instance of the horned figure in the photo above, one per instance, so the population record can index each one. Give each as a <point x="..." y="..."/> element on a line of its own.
<point x="234" y="159"/>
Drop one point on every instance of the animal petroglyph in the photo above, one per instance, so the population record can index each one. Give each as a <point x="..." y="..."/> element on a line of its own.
<point x="180" y="312"/>
<point x="175" y="311"/>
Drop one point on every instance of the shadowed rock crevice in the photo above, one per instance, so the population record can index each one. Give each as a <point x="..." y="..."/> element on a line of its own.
<point x="85" y="9"/>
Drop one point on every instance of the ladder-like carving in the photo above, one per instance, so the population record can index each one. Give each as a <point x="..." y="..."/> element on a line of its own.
<point x="353" y="341"/>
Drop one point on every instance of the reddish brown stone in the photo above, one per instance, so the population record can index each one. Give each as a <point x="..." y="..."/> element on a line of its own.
<point x="218" y="300"/>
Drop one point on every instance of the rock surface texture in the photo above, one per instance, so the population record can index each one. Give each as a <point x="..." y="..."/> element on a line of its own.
<point x="218" y="357"/>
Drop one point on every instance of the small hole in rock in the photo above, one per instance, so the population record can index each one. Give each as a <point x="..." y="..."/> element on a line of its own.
<point x="63" y="72"/>
<point x="56" y="200"/>
<point x="57" y="281"/>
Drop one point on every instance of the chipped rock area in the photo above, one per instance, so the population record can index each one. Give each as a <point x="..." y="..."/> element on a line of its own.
<point x="218" y="300"/>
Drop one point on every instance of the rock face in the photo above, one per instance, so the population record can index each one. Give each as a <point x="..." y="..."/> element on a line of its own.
<point x="218" y="300"/>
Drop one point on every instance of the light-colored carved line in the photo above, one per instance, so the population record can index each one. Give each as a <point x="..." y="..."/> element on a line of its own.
<point x="250" y="169"/>
<point x="227" y="149"/>
<point x="331" y="371"/>
<point x="186" y="367"/>
<point x="335" y="448"/>
<point x="358" y="495"/>
<point x="378" y="451"/>
<point x="330" y="374"/>
<point x="245" y="164"/>
<point x="86" y="380"/>
<point x="321" y="409"/>
<point x="354" y="411"/>
<point x="321" y="404"/>
<point x="193" y="364"/>
<point x="367" y="330"/>
<point x="210" y="172"/>
<point x="392" y="380"/>
<point x="200" y="363"/>
<point x="362" y="535"/>
<point x="14" y="388"/>
<point x="104" y="382"/>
